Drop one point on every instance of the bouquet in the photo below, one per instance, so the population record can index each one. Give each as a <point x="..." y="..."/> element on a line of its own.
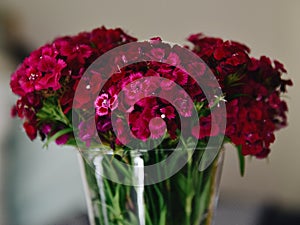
<point x="143" y="92"/>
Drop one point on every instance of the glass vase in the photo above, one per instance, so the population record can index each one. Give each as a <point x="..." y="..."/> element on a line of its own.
<point x="189" y="197"/>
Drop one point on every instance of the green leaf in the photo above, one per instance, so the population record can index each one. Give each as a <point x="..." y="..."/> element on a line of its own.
<point x="160" y="196"/>
<point x="163" y="216"/>
<point x="234" y="96"/>
<point x="205" y="198"/>
<point x="52" y="111"/>
<point x="182" y="181"/>
<point x="241" y="160"/>
<point x="57" y="135"/>
<point x="199" y="106"/>
<point x="72" y="142"/>
<point x="148" y="218"/>
<point x="133" y="219"/>
<point x="234" y="78"/>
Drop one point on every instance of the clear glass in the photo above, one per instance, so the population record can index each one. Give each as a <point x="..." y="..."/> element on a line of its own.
<point x="187" y="198"/>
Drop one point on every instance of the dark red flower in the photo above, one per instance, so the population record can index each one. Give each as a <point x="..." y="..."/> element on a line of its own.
<point x="157" y="127"/>
<point x="51" y="74"/>
<point x="30" y="130"/>
<point x="63" y="139"/>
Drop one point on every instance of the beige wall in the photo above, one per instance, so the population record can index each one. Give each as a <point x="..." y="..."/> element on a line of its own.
<point x="269" y="27"/>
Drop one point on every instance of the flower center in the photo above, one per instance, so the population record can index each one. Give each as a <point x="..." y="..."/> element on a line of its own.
<point x="105" y="103"/>
<point x="33" y="77"/>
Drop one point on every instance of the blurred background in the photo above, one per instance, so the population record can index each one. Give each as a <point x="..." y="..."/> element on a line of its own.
<point x="43" y="187"/>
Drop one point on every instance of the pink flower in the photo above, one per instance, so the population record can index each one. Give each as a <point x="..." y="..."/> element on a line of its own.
<point x="140" y="118"/>
<point x="139" y="89"/>
<point x="157" y="127"/>
<point x="139" y="125"/>
<point x="46" y="128"/>
<point x="157" y="53"/>
<point x="122" y="136"/>
<point x="168" y="112"/>
<point x="173" y="59"/>
<point x="87" y="131"/>
<point x="104" y="124"/>
<point x="43" y="75"/>
<point x="103" y="104"/>
<point x="206" y="128"/>
<point x="183" y="103"/>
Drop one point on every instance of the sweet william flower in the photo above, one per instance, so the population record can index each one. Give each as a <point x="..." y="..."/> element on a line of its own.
<point x="14" y="111"/>
<point x="51" y="74"/>
<point x="48" y="79"/>
<point x="63" y="139"/>
<point x="263" y="153"/>
<point x="173" y="59"/>
<point x="141" y="116"/>
<point x="167" y="112"/>
<point x="157" y="127"/>
<point x="122" y="136"/>
<point x="103" y="124"/>
<point x="279" y="66"/>
<point x="104" y="104"/>
<point x="106" y="39"/>
<point x="157" y="53"/>
<point x="183" y="104"/>
<point x="87" y="131"/>
<point x="46" y="128"/>
<point x="40" y="71"/>
<point x="30" y="130"/>
<point x="136" y="89"/>
<point x="87" y="89"/>
<point x="74" y="51"/>
<point x="252" y="148"/>
<point x="206" y="128"/>
<point x="139" y="123"/>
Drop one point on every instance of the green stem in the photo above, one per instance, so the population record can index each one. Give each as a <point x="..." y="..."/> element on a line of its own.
<point x="212" y="191"/>
<point x="189" y="190"/>
<point x="63" y="116"/>
<point x="188" y="209"/>
<point x="211" y="196"/>
<point x="57" y="135"/>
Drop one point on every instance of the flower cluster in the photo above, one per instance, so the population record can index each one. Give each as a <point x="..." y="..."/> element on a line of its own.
<point x="252" y="88"/>
<point x="47" y="80"/>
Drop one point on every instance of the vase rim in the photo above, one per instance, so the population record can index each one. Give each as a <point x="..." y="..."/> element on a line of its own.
<point x="111" y="151"/>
